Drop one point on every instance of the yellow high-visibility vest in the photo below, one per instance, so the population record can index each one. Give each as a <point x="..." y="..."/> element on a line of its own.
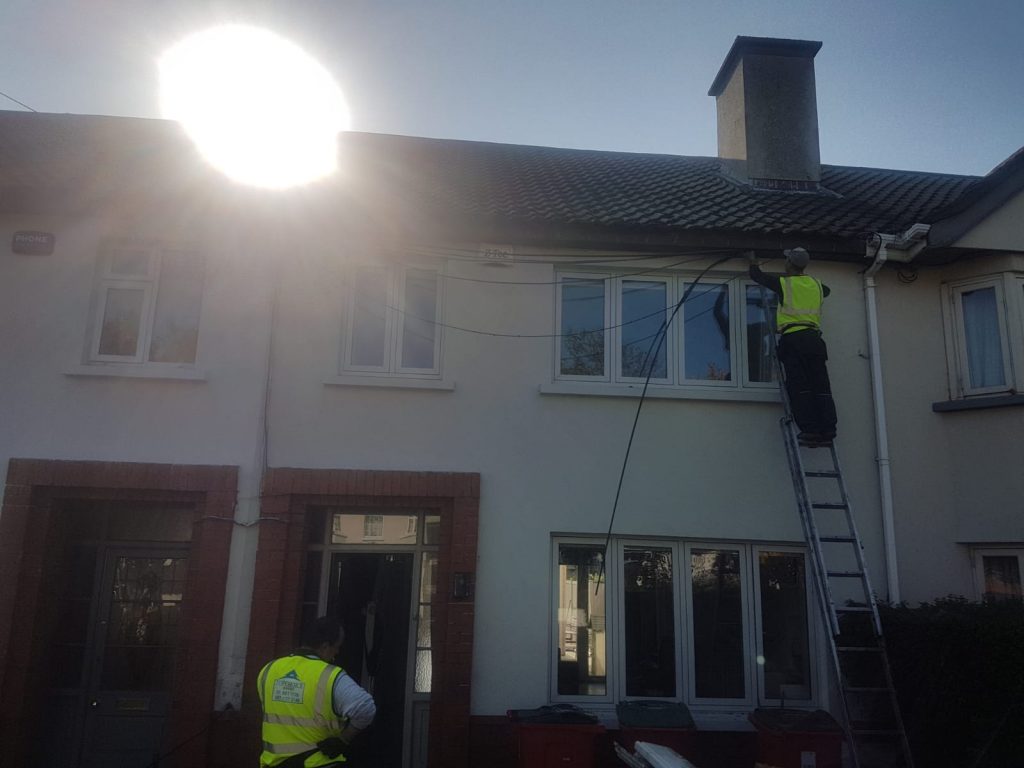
<point x="297" y="694"/>
<point x="801" y="304"/>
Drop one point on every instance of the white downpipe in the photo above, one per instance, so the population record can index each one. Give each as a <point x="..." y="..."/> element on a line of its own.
<point x="881" y="425"/>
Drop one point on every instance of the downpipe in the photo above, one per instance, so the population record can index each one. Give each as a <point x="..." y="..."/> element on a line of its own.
<point x="880" y="245"/>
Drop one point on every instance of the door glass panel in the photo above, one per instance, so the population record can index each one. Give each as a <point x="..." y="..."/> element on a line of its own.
<point x="706" y="333"/>
<point x="582" y="351"/>
<point x="142" y="625"/>
<point x="787" y="664"/>
<point x="717" y="624"/>
<point x="582" y="634"/>
<point x="644" y="308"/>
<point x="122" y="317"/>
<point x="354" y="528"/>
<point x="432" y="529"/>
<point x="650" y="623"/>
<point x="424" y="623"/>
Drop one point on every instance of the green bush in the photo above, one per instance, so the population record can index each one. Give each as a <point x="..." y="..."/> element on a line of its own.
<point x="958" y="668"/>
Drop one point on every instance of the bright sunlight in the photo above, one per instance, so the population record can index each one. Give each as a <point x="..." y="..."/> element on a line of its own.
<point x="259" y="108"/>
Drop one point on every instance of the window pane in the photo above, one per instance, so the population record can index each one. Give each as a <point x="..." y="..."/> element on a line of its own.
<point x="419" y="319"/>
<point x="428" y="577"/>
<point x="644" y="310"/>
<point x="787" y="666"/>
<point x="1002" y="577"/>
<point x="717" y="624"/>
<point x="354" y="528"/>
<point x="424" y="669"/>
<point x="706" y="333"/>
<point x="649" y="623"/>
<point x="122" y="316"/>
<point x="176" y="320"/>
<point x="983" y="338"/>
<point x="760" y="311"/>
<point x="432" y="529"/>
<point x="368" y="332"/>
<point x="582" y="328"/>
<point x="581" y="621"/>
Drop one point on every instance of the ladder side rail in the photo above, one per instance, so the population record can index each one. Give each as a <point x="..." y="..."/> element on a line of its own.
<point x="869" y="593"/>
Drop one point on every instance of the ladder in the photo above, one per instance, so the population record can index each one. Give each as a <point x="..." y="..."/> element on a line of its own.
<point x="873" y="725"/>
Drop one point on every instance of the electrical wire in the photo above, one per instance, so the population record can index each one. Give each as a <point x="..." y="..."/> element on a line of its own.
<point x="649" y="271"/>
<point x="656" y="346"/>
<point x="26" y="106"/>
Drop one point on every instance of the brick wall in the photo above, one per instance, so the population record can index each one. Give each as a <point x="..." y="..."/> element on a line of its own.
<point x="274" y="626"/>
<point x="29" y="531"/>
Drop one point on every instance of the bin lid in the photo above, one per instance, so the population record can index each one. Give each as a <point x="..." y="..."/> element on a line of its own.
<point x="553" y="714"/>
<point x="653" y="713"/>
<point x="794" y="720"/>
<point x="660" y="756"/>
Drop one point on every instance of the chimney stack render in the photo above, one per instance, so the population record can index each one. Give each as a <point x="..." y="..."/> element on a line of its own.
<point x="768" y="113"/>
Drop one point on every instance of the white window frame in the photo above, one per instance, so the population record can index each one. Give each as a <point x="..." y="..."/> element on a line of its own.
<point x="609" y="353"/>
<point x="978" y="565"/>
<point x="812" y="627"/>
<point x="754" y="694"/>
<point x="675" y="337"/>
<point x="748" y="617"/>
<point x="394" y="312"/>
<point x="1009" y="293"/>
<point x="149" y="284"/>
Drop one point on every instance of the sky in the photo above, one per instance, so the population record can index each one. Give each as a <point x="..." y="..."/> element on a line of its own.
<point x="931" y="85"/>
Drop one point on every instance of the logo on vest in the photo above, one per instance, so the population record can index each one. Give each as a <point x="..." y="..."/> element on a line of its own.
<point x="288" y="689"/>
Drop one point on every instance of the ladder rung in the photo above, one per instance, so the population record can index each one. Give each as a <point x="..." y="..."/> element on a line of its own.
<point x="837" y="539"/>
<point x="821" y="474"/>
<point x="845" y="574"/>
<point x="853" y="609"/>
<point x="828" y="506"/>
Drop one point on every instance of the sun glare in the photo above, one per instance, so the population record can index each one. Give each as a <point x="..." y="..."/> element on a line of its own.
<point x="257" y="106"/>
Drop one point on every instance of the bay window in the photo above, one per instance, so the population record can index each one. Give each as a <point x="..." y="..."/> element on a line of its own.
<point x="718" y="626"/>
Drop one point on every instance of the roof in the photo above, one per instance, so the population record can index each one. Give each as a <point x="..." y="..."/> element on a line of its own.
<point x="510" y="185"/>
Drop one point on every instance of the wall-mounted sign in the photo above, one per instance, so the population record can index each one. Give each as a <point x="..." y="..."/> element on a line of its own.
<point x="33" y="243"/>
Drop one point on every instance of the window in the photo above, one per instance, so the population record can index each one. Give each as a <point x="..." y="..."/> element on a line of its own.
<point x="610" y="326"/>
<point x="392" y="322"/>
<point x="717" y="626"/>
<point x="985" y="335"/>
<point x="998" y="574"/>
<point x="373" y="526"/>
<point x="148" y="303"/>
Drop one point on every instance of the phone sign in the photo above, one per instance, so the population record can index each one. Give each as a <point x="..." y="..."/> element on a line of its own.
<point x="33" y="243"/>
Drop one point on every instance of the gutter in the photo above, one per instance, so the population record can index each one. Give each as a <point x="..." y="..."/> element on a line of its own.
<point x="882" y="248"/>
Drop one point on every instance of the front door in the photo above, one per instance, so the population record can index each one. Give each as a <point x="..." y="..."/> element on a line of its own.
<point x="370" y="592"/>
<point x="110" y="698"/>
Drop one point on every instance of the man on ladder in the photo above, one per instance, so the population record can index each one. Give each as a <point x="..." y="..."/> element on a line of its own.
<point x="801" y="349"/>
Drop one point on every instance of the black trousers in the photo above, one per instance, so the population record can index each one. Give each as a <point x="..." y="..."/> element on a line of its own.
<point x="803" y="355"/>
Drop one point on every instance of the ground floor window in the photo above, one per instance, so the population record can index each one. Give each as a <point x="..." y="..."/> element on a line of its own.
<point x="998" y="573"/>
<point x="713" y="624"/>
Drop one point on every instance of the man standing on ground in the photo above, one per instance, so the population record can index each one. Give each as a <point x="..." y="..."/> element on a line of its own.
<point x="802" y="351"/>
<point x="312" y="709"/>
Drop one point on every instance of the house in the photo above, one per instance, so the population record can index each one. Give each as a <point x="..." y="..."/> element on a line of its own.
<point x="404" y="395"/>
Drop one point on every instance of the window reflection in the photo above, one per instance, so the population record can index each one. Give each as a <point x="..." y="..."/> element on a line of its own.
<point x="649" y="623"/>
<point x="717" y="624"/>
<point x="787" y="671"/>
<point x="582" y="633"/>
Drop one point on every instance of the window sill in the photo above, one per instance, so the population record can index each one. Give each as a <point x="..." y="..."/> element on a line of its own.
<point x="602" y="389"/>
<point x="141" y="371"/>
<point x="977" y="403"/>
<point x="389" y="382"/>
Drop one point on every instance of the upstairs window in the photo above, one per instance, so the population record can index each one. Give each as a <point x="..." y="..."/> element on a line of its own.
<point x="609" y="331"/>
<point x="148" y="305"/>
<point x="985" y="337"/>
<point x="392" y="322"/>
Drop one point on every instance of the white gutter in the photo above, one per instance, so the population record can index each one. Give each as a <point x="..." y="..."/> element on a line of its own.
<point x="908" y="245"/>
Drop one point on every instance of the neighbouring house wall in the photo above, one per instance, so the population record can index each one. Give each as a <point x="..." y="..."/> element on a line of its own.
<point x="1002" y="229"/>
<point x="956" y="475"/>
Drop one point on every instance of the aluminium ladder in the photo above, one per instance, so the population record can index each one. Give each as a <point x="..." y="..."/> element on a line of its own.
<point x="873" y="725"/>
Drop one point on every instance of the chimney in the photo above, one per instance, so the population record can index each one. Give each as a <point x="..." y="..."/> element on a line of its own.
<point x="768" y="113"/>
